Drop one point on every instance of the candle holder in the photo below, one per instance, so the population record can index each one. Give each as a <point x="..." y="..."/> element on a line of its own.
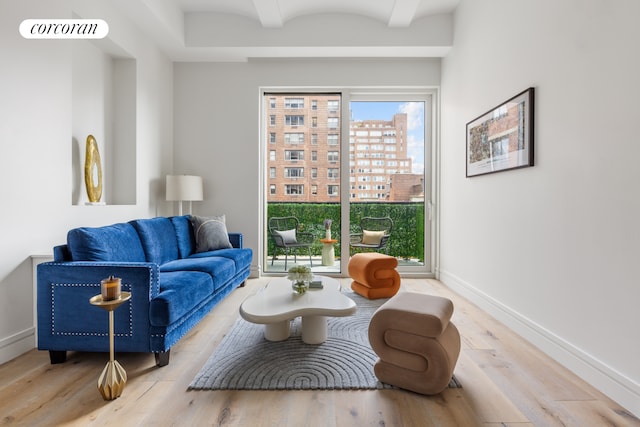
<point x="111" y="288"/>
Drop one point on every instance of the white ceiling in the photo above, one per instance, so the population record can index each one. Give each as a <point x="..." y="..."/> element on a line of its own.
<point x="236" y="30"/>
<point x="275" y="13"/>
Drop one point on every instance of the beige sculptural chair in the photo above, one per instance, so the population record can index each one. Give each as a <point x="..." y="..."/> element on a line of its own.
<point x="417" y="344"/>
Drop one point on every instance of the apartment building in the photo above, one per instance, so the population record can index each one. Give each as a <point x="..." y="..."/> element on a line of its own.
<point x="303" y="151"/>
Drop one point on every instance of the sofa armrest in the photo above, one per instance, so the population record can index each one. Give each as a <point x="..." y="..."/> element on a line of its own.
<point x="66" y="319"/>
<point x="236" y="240"/>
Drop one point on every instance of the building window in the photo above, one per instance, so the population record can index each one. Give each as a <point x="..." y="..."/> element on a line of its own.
<point x="272" y="189"/>
<point x="294" y="155"/>
<point x="314" y="122"/>
<point x="292" y="120"/>
<point x="314" y="104"/>
<point x="272" y="138"/>
<point x="314" y="139"/>
<point x="314" y="173"/>
<point x="332" y="156"/>
<point x="292" y="189"/>
<point x="272" y="172"/>
<point x="314" y="190"/>
<point x="314" y="156"/>
<point x="333" y="106"/>
<point x="332" y="139"/>
<point x="332" y="190"/>
<point x="332" y="123"/>
<point x="272" y="103"/>
<point x="272" y="155"/>
<point x="294" y="138"/>
<point x="294" y="103"/>
<point x="294" y="172"/>
<point x="332" y="173"/>
<point x="272" y="120"/>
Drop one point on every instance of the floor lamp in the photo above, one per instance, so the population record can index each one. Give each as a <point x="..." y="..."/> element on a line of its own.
<point x="182" y="188"/>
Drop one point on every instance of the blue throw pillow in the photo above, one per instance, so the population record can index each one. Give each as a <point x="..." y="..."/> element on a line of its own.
<point x="210" y="232"/>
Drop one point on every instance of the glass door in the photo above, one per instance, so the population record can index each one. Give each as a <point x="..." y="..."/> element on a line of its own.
<point x="389" y="187"/>
<point x="303" y="139"/>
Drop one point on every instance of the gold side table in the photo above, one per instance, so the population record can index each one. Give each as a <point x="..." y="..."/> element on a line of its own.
<point x="113" y="378"/>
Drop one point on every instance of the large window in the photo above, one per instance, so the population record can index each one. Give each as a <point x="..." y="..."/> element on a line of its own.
<point x="293" y="103"/>
<point x="294" y="120"/>
<point x="386" y="138"/>
<point x="294" y="155"/>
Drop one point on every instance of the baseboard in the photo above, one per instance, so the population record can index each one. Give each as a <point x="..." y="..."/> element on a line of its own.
<point x="17" y="344"/>
<point x="255" y="272"/>
<point x="616" y="386"/>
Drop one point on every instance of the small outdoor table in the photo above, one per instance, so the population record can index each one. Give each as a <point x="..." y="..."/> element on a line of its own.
<point x="328" y="251"/>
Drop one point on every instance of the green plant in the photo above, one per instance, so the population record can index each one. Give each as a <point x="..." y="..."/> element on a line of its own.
<point x="407" y="238"/>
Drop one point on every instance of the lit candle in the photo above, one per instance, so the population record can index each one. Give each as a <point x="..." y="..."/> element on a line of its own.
<point x="110" y="288"/>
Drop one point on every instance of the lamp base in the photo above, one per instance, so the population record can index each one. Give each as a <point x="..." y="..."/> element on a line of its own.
<point x="112" y="380"/>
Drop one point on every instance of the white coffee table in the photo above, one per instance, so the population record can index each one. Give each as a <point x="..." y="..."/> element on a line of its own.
<point x="276" y="304"/>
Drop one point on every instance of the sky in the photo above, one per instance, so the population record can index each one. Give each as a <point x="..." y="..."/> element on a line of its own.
<point x="384" y="110"/>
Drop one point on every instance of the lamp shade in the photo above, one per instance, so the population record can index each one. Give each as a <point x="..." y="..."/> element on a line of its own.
<point x="184" y="187"/>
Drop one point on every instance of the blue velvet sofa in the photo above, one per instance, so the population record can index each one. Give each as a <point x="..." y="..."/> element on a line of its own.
<point x="174" y="282"/>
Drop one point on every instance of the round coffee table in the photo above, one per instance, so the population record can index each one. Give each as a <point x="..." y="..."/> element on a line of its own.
<point x="276" y="305"/>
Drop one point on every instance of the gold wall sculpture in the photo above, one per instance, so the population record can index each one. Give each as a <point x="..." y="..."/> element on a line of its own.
<point x="93" y="170"/>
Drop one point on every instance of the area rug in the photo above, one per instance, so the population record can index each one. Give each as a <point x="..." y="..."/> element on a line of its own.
<point x="244" y="360"/>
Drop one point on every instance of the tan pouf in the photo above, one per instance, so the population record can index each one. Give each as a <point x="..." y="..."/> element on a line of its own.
<point x="417" y="345"/>
<point x="374" y="275"/>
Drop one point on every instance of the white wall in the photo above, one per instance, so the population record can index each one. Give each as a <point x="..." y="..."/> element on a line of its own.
<point x="36" y="148"/>
<point x="217" y="133"/>
<point x="551" y="250"/>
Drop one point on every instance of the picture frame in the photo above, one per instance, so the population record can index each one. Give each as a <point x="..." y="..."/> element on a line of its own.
<point x="502" y="138"/>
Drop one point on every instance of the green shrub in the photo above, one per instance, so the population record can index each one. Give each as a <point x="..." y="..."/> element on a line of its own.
<point x="407" y="238"/>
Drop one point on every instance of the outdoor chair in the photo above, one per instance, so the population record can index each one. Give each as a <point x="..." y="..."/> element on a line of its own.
<point x="373" y="236"/>
<point x="285" y="235"/>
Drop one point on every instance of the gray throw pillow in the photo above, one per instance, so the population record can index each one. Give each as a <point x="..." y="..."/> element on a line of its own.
<point x="211" y="233"/>
<point x="288" y="236"/>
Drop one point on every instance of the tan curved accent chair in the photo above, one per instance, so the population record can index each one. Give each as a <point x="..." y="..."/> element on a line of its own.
<point x="417" y="344"/>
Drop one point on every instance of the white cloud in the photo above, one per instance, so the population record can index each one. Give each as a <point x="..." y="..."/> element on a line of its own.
<point x="415" y="114"/>
<point x="415" y="150"/>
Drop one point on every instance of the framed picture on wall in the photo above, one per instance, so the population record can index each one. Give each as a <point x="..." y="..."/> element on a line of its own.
<point x="502" y="138"/>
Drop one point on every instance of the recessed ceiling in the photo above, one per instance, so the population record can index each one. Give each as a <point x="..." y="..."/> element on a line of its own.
<point x="275" y="13"/>
<point x="236" y="30"/>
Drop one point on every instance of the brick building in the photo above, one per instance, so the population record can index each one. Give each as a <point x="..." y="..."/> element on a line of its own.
<point x="303" y="150"/>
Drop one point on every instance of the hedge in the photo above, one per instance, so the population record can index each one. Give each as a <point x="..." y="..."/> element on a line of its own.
<point x="407" y="238"/>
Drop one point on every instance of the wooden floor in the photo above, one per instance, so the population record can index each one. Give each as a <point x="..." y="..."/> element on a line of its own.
<point x="505" y="382"/>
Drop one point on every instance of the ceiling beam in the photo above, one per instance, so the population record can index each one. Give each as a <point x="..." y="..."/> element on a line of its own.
<point x="402" y="13"/>
<point x="269" y="13"/>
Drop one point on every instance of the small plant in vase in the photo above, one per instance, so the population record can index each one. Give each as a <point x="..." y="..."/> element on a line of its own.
<point x="300" y="276"/>
<point x="327" y="228"/>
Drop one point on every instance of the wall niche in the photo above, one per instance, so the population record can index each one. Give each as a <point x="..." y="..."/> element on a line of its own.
<point x="104" y="105"/>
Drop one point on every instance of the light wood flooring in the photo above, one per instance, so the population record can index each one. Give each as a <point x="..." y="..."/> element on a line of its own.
<point x="505" y="382"/>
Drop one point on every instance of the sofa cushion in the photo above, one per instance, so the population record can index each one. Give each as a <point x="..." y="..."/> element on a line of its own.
<point x="158" y="238"/>
<point x="241" y="257"/>
<point x="117" y="242"/>
<point x="184" y="235"/>
<point x="211" y="233"/>
<point x="220" y="269"/>
<point x="180" y="293"/>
